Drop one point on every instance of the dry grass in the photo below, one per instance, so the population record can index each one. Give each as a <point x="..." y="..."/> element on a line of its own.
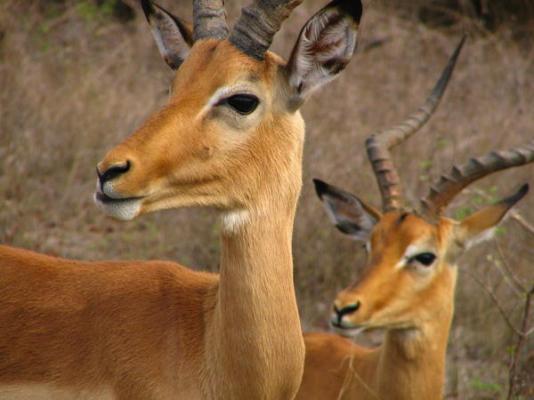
<point x="74" y="82"/>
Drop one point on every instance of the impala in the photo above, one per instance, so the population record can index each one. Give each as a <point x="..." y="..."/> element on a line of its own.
<point x="408" y="286"/>
<point x="231" y="137"/>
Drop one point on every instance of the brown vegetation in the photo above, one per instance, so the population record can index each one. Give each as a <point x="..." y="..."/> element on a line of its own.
<point x="75" y="80"/>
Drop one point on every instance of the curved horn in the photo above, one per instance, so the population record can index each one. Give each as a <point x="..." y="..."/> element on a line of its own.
<point x="442" y="193"/>
<point x="254" y="31"/>
<point x="379" y="144"/>
<point x="209" y="19"/>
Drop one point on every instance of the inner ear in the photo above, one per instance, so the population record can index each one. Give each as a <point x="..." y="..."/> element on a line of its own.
<point x="479" y="226"/>
<point x="324" y="47"/>
<point x="172" y="36"/>
<point x="348" y="213"/>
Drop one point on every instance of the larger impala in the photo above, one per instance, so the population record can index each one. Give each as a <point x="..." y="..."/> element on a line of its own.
<point x="408" y="285"/>
<point x="230" y="137"/>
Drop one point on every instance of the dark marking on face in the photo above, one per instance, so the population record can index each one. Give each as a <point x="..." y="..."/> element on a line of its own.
<point x="253" y="78"/>
<point x="402" y="218"/>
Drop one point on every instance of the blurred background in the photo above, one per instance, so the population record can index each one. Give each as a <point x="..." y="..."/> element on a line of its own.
<point x="77" y="76"/>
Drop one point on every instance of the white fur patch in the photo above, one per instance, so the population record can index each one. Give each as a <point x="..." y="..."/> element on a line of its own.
<point x="410" y="251"/>
<point x="482" y="237"/>
<point x="233" y="220"/>
<point x="111" y="192"/>
<point x="124" y="210"/>
<point x="349" y="332"/>
<point x="223" y="93"/>
<point x="219" y="94"/>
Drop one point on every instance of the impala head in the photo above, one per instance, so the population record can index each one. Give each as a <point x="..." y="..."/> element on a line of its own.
<point x="231" y="132"/>
<point x="411" y="270"/>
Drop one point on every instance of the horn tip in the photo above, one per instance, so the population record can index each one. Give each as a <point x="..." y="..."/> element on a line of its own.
<point x="522" y="192"/>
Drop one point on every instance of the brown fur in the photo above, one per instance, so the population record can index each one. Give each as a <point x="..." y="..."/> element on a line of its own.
<point x="87" y="325"/>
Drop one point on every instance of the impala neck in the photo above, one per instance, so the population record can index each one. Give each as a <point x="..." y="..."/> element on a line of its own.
<point x="412" y="361"/>
<point x="255" y="332"/>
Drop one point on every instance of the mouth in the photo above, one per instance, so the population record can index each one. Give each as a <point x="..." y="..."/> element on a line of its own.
<point x="350" y="332"/>
<point x="105" y="199"/>
<point x="345" y="329"/>
<point x="123" y="209"/>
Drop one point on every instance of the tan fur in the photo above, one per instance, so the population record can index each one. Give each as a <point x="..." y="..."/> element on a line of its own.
<point x="416" y="310"/>
<point x="50" y="392"/>
<point x="85" y="326"/>
<point x="156" y="330"/>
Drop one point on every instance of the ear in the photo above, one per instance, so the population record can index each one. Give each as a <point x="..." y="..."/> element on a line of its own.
<point x="324" y="47"/>
<point x="348" y="213"/>
<point x="173" y="37"/>
<point x="478" y="227"/>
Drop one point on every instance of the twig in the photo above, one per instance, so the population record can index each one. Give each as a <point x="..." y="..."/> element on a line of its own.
<point x="352" y="373"/>
<point x="512" y="374"/>
<point x="522" y="221"/>
<point x="493" y="297"/>
<point x="507" y="273"/>
<point x="374" y="43"/>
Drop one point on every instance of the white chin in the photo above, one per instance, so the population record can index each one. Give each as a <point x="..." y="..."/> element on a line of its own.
<point x="124" y="210"/>
<point x="350" y="333"/>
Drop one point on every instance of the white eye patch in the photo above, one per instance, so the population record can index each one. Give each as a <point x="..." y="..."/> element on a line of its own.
<point x="215" y="98"/>
<point x="223" y="93"/>
<point x="412" y="251"/>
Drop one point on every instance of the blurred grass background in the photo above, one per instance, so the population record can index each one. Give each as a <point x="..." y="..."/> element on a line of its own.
<point x="77" y="76"/>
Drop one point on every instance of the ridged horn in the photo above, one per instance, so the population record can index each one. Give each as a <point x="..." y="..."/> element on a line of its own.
<point x="254" y="31"/>
<point x="209" y="19"/>
<point x="379" y="144"/>
<point x="444" y="191"/>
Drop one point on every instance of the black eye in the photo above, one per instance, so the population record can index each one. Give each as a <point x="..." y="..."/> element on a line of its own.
<point x="243" y="103"/>
<point x="425" y="258"/>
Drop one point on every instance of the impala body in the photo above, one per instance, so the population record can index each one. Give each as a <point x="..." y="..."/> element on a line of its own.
<point x="407" y="287"/>
<point x="230" y="137"/>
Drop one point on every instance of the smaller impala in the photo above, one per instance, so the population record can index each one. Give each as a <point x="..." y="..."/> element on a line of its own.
<point x="408" y="286"/>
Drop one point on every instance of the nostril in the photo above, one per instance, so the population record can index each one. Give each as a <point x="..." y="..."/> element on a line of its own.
<point x="113" y="171"/>
<point x="348" y="309"/>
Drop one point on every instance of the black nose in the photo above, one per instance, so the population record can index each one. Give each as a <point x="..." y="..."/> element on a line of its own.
<point x="112" y="172"/>
<point x="340" y="313"/>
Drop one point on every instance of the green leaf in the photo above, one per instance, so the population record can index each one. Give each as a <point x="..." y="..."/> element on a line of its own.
<point x="425" y="164"/>
<point x="479" y="384"/>
<point x="462" y="212"/>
